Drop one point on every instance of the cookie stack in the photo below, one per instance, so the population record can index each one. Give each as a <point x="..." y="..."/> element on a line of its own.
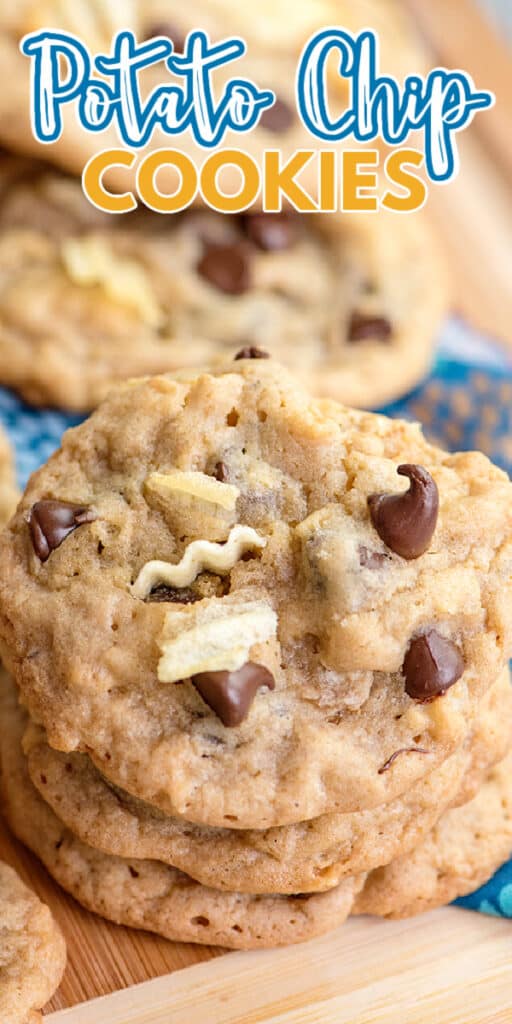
<point x="258" y="645"/>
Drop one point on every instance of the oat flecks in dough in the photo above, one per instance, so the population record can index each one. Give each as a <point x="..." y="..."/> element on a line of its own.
<point x="213" y="638"/>
<point x="200" y="555"/>
<point x="196" y="485"/>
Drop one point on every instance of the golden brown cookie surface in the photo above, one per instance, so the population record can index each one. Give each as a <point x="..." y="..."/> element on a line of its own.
<point x="307" y="857"/>
<point x="132" y="569"/>
<point x="146" y="894"/>
<point x="463" y="851"/>
<point x="32" y="951"/>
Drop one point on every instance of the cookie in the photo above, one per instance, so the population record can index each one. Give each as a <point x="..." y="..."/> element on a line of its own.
<point x="351" y="303"/>
<point x="32" y="951"/>
<point x="491" y="738"/>
<point x="148" y="895"/>
<point x="272" y="28"/>
<point x="202" y="590"/>
<point x="311" y="856"/>
<point x="9" y="493"/>
<point x="95" y="23"/>
<point x="275" y="36"/>
<point x="462" y="852"/>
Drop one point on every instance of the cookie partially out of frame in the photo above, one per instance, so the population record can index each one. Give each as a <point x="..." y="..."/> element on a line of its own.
<point x="275" y="32"/>
<point x="146" y="894"/>
<point x="462" y="852"/>
<point x="32" y="951"/>
<point x="307" y="857"/>
<point x="225" y="593"/>
<point x="351" y="303"/>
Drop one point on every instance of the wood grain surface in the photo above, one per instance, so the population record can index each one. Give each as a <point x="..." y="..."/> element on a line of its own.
<point x="450" y="967"/>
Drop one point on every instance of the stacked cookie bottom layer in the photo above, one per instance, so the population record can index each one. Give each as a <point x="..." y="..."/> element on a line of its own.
<point x="130" y="863"/>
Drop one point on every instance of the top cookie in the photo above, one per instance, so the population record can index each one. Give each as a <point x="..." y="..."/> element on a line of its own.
<point x="223" y="591"/>
<point x="32" y="951"/>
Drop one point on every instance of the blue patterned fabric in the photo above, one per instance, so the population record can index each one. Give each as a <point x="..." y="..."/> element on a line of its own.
<point x="466" y="403"/>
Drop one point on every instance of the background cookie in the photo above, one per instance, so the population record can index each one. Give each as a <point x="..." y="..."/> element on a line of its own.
<point x="322" y="595"/>
<point x="32" y="951"/>
<point x="351" y="303"/>
<point x="311" y="856"/>
<point x="271" y="63"/>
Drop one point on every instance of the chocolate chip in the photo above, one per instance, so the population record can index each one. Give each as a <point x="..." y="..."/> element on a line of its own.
<point x="173" y="595"/>
<point x="406" y="522"/>
<point x="363" y="327"/>
<point x="278" y="118"/>
<point x="272" y="232"/>
<point x="221" y="472"/>
<point x="227" y="267"/>
<point x="168" y="31"/>
<point x="51" y="522"/>
<point x="251" y="352"/>
<point x="230" y="694"/>
<point x="431" y="665"/>
<point x="405" y="750"/>
<point x="371" y="559"/>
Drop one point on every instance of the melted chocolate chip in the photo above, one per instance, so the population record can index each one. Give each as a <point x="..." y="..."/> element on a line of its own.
<point x="251" y="352"/>
<point x="51" y="522"/>
<point x="405" y="750"/>
<point x="406" y="522"/>
<point x="278" y="118"/>
<point x="221" y="472"/>
<point x="230" y="694"/>
<point x="371" y="559"/>
<point x="168" y="31"/>
<point x="173" y="595"/>
<point x="431" y="665"/>
<point x="227" y="267"/>
<point x="363" y="327"/>
<point x="272" y="232"/>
